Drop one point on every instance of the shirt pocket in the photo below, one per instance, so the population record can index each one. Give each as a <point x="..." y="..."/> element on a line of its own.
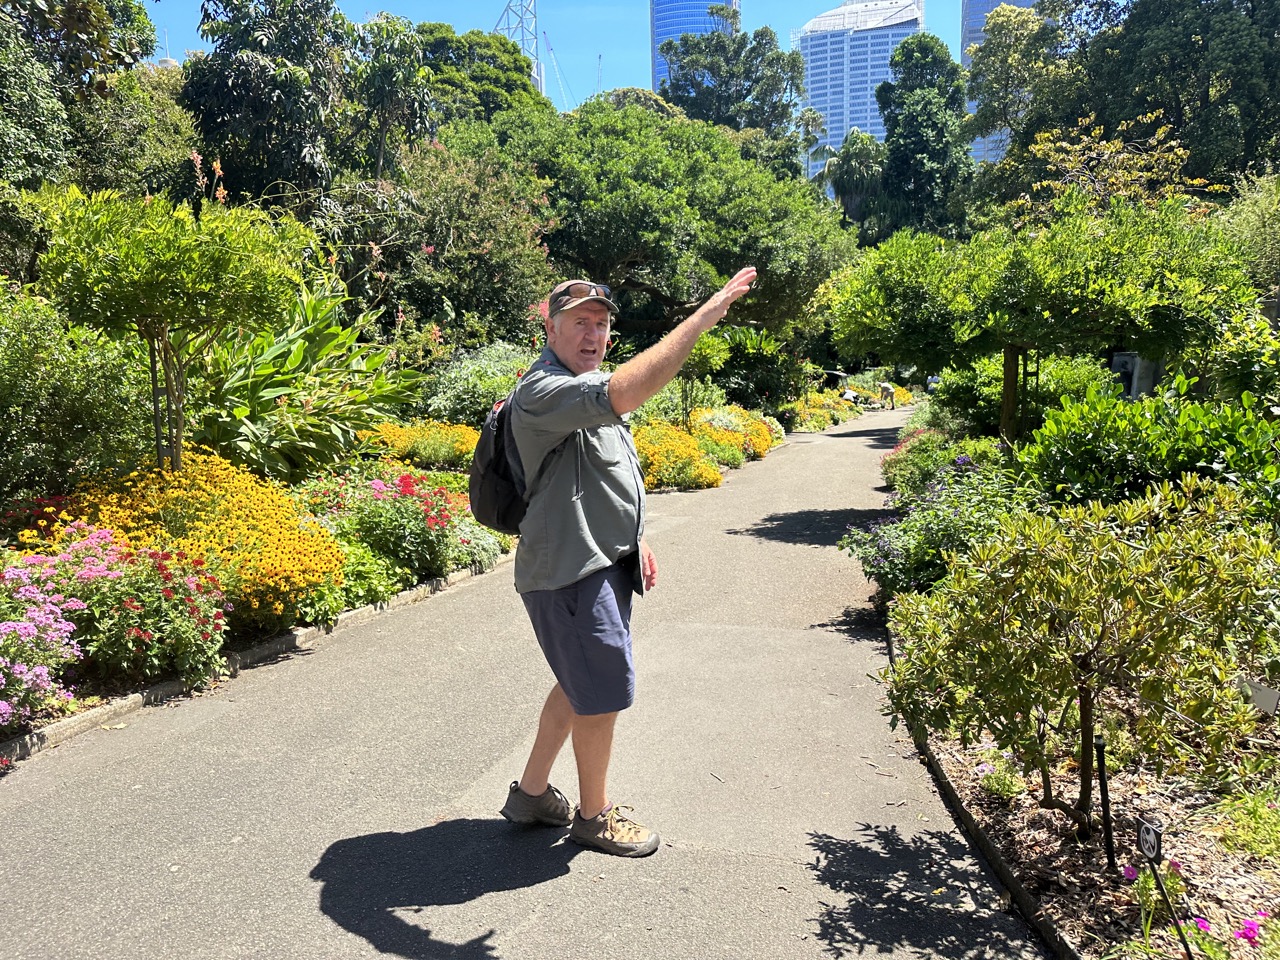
<point x="606" y="447"/>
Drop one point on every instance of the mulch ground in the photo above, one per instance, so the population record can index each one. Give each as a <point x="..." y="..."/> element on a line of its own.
<point x="1095" y="909"/>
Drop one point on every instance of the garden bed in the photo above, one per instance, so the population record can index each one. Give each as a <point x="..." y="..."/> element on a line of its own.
<point x="1096" y="911"/>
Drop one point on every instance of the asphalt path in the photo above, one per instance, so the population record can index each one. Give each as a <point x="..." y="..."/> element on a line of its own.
<point x="342" y="802"/>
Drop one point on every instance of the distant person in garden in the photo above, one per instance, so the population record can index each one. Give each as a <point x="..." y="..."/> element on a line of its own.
<point x="887" y="395"/>
<point x="931" y="384"/>
<point x="582" y="552"/>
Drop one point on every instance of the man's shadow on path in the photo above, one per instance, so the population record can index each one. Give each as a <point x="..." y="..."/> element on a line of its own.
<point x="371" y="883"/>
<point x="901" y="895"/>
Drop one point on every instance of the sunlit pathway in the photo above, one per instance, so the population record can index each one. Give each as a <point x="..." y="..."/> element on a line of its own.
<point x="342" y="803"/>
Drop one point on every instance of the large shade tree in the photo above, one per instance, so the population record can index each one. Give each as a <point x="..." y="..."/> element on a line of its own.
<point x="741" y="80"/>
<point x="923" y="106"/>
<point x="663" y="209"/>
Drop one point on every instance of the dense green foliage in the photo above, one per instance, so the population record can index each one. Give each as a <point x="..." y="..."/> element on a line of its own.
<point x="926" y="151"/>
<point x="968" y="399"/>
<point x="180" y="282"/>
<point x="663" y="210"/>
<point x="1144" y="611"/>
<point x="741" y="80"/>
<point x="289" y="400"/>
<point x="1104" y="448"/>
<point x="911" y="551"/>
<point x="73" y="403"/>
<point x="1151" y="278"/>
<point x="33" y="121"/>
<point x="464" y="389"/>
<point x="452" y="255"/>
<point x="137" y="139"/>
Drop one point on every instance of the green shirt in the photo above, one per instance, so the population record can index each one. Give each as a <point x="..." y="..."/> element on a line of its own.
<point x="586" y="489"/>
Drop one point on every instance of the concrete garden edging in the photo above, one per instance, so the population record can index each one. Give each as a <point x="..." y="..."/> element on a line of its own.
<point x="1020" y="897"/>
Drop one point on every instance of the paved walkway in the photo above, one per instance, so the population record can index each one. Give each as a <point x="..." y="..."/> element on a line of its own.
<point x="342" y="802"/>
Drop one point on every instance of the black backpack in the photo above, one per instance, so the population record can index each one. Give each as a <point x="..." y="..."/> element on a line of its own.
<point x="498" y="495"/>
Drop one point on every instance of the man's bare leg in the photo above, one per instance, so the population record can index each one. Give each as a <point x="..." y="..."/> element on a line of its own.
<point x="592" y="748"/>
<point x="553" y="729"/>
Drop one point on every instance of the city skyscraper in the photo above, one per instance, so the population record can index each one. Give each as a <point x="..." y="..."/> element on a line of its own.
<point x="846" y="56"/>
<point x="669" y="19"/>
<point x="973" y="17"/>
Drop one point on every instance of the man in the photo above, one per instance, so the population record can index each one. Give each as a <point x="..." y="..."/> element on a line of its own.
<point x="887" y="394"/>
<point x="582" y="552"/>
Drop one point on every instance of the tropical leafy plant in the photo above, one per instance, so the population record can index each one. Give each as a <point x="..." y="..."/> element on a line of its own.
<point x="287" y="402"/>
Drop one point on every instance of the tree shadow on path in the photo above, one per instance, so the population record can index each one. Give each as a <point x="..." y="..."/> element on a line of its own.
<point x="373" y="883"/>
<point x="902" y="895"/>
<point x="877" y="438"/>
<point x="860" y="624"/>
<point x="813" y="528"/>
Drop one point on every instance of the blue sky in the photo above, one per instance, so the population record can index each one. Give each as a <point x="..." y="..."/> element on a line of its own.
<point x="597" y="45"/>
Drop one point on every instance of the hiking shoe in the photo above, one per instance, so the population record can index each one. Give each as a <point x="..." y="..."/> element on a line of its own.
<point x="614" y="832"/>
<point x="549" y="808"/>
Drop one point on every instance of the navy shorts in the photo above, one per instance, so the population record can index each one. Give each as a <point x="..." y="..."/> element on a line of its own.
<point x="584" y="630"/>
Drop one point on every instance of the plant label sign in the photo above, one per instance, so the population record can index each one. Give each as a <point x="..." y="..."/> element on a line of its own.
<point x="1150" y="833"/>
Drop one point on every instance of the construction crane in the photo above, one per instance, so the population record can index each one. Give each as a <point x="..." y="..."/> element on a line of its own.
<point x="519" y="23"/>
<point x="569" y="104"/>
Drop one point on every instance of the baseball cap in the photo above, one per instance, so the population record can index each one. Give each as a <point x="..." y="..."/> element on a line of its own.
<point x="569" y="294"/>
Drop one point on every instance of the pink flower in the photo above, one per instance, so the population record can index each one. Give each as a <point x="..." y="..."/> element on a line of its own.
<point x="1203" y="924"/>
<point x="1175" y="867"/>
<point x="1130" y="872"/>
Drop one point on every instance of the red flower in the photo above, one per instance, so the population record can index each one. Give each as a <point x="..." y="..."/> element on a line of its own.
<point x="167" y="593"/>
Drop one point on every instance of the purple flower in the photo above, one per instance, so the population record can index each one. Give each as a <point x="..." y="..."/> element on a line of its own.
<point x="1203" y="924"/>
<point x="1175" y="867"/>
<point x="985" y="768"/>
<point x="1130" y="872"/>
<point x="1249" y="932"/>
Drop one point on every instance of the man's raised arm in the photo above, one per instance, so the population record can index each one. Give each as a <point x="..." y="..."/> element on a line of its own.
<point x="645" y="374"/>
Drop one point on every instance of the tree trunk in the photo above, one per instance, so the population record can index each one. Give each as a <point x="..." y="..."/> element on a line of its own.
<point x="1009" y="394"/>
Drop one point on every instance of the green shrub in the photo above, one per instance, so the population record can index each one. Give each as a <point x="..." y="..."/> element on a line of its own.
<point x="1105" y="448"/>
<point x="1149" y="608"/>
<point x="73" y="404"/>
<point x="908" y="552"/>
<point x="921" y="456"/>
<point x="667" y="405"/>
<point x="367" y="578"/>
<point x="464" y="388"/>
<point x="287" y="403"/>
<point x="967" y="401"/>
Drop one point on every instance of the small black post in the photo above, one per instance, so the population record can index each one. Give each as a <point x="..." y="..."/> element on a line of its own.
<point x="1100" y="746"/>
<point x="1150" y="835"/>
<point x="1177" y="925"/>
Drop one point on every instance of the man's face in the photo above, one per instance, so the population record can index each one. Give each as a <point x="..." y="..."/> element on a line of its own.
<point x="582" y="336"/>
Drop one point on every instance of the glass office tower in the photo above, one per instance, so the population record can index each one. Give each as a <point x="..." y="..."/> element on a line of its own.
<point x="973" y="17"/>
<point x="669" y="19"/>
<point x="846" y="56"/>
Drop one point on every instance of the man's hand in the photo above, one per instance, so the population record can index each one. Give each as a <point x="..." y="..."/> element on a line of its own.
<point x="648" y="566"/>
<point x="719" y="303"/>
<point x="644" y="375"/>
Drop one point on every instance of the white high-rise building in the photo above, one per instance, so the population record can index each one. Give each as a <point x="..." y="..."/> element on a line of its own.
<point x="846" y="56"/>
<point x="670" y="20"/>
